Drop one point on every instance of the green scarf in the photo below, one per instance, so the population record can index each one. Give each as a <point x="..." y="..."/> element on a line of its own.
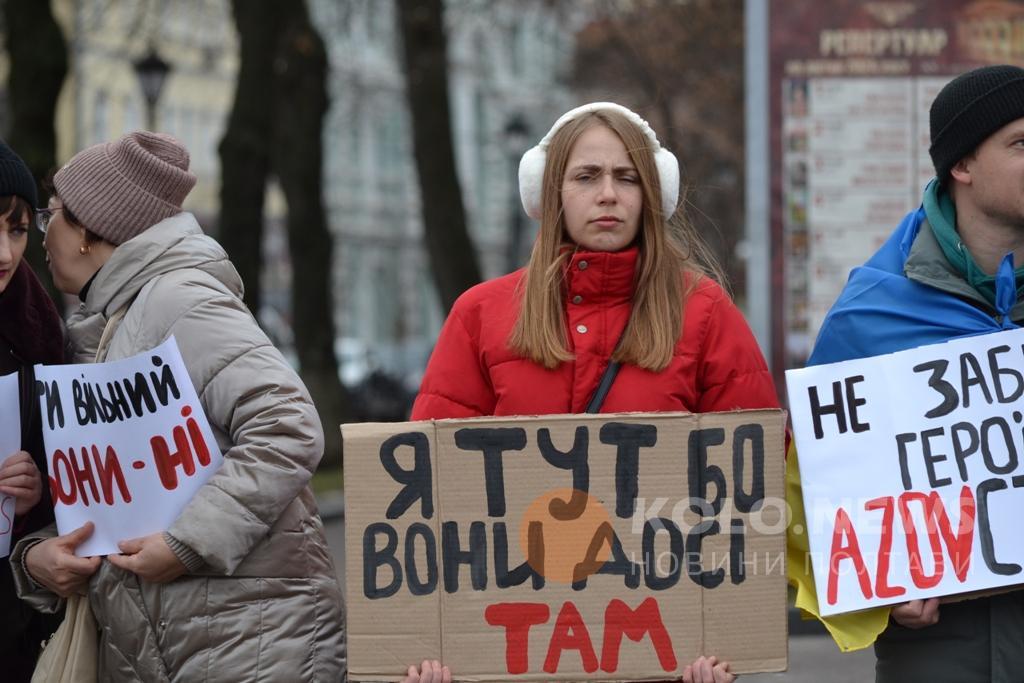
<point x="941" y="213"/>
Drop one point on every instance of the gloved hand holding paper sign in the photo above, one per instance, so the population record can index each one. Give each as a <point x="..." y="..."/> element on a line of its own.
<point x="127" y="445"/>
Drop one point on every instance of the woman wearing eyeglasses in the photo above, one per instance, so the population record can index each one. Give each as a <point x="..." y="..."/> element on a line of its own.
<point x="30" y="332"/>
<point x="241" y="586"/>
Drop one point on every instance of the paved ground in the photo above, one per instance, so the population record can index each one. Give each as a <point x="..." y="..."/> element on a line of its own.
<point x="812" y="658"/>
<point x="816" y="659"/>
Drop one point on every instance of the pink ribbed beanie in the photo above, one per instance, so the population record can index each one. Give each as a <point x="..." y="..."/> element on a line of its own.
<point x="120" y="188"/>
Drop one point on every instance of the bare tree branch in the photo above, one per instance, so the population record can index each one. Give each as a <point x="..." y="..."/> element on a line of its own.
<point x="453" y="260"/>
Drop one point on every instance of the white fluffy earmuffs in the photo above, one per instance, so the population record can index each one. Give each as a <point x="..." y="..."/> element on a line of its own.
<point x="531" y="166"/>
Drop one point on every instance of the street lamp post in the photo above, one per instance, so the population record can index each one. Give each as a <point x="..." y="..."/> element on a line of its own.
<point x="152" y="71"/>
<point x="516" y="135"/>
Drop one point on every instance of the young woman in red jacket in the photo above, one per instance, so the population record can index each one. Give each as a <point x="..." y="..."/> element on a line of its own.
<point x="617" y="273"/>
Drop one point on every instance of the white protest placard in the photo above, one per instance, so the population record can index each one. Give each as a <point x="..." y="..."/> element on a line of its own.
<point x="127" y="444"/>
<point x="10" y="443"/>
<point x="911" y="470"/>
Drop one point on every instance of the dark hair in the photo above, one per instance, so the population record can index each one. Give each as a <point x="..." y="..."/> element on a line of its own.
<point x="70" y="217"/>
<point x="16" y="207"/>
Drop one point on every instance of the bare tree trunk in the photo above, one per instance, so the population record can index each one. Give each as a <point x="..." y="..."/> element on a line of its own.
<point x="39" y="62"/>
<point x="452" y="258"/>
<point x="300" y="83"/>
<point x="275" y="127"/>
<point x="245" y="147"/>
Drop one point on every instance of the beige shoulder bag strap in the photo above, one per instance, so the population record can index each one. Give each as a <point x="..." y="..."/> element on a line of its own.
<point x="115" y="320"/>
<point x="108" y="332"/>
<point x="70" y="656"/>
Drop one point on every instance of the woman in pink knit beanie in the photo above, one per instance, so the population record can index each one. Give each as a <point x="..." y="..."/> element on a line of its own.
<point x="241" y="586"/>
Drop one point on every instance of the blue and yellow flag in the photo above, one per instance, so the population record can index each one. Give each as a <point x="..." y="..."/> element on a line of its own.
<point x="852" y="631"/>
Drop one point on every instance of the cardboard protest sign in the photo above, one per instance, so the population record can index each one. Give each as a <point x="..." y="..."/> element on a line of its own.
<point x="10" y="443"/>
<point x="127" y="444"/>
<point x="575" y="547"/>
<point x="911" y="473"/>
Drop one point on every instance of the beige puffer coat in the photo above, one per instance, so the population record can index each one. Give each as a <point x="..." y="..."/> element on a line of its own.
<point x="261" y="601"/>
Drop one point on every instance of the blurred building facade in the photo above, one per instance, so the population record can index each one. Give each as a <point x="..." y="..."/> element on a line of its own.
<point x="102" y="98"/>
<point x="509" y="68"/>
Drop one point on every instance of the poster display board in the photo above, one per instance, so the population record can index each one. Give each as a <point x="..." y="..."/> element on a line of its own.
<point x="611" y="547"/>
<point x="851" y="85"/>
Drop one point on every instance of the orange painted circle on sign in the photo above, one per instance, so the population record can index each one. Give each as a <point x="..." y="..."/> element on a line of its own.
<point x="566" y="541"/>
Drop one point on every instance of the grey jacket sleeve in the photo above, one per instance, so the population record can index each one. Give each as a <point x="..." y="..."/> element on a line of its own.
<point x="249" y="392"/>
<point x="40" y="598"/>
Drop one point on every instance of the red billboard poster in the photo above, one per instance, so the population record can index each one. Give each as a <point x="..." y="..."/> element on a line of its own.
<point x="851" y="85"/>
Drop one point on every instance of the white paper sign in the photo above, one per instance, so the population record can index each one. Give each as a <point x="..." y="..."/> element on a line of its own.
<point x="10" y="443"/>
<point x="127" y="445"/>
<point x="911" y="469"/>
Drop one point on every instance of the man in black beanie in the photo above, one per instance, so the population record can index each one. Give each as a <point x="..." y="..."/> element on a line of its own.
<point x="949" y="270"/>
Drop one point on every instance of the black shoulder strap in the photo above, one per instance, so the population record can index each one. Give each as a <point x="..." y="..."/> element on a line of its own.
<point x="603" y="386"/>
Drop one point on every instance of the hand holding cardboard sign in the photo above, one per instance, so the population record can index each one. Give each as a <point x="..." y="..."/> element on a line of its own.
<point x="708" y="670"/>
<point x="917" y="613"/>
<point x="429" y="672"/>
<point x="150" y="558"/>
<point x="19" y="477"/>
<point x="52" y="563"/>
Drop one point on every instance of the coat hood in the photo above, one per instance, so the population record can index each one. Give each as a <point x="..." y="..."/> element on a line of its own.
<point x="172" y="244"/>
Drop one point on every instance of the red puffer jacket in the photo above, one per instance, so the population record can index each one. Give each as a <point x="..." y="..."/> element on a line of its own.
<point x="717" y="365"/>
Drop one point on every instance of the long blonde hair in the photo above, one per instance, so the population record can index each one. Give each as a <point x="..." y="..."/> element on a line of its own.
<point x="666" y="272"/>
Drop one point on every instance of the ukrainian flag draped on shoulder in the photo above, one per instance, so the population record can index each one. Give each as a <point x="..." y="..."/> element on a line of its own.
<point x="882" y="311"/>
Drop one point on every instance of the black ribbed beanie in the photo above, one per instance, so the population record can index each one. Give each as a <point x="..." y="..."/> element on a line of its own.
<point x="971" y="107"/>
<point x="15" y="178"/>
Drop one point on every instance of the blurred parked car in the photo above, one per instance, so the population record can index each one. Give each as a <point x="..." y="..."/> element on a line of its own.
<point x="354" y="360"/>
<point x="382" y="380"/>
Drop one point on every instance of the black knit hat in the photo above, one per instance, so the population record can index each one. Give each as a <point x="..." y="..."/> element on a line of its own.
<point x="15" y="178"/>
<point x="971" y="107"/>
